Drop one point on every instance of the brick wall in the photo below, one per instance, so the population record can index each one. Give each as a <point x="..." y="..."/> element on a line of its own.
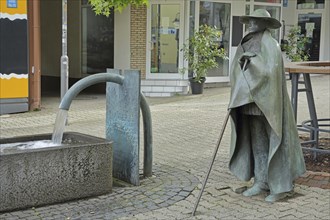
<point x="139" y="39"/>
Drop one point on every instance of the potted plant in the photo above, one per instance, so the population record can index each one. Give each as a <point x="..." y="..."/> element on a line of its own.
<point x="201" y="51"/>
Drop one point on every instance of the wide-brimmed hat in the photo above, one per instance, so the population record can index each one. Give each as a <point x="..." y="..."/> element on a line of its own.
<point x="263" y="15"/>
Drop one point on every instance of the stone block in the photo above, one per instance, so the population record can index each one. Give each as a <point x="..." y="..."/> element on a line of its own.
<point x="42" y="176"/>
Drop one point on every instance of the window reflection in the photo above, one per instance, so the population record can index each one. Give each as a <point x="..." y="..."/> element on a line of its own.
<point x="268" y="1"/>
<point x="217" y="15"/>
<point x="97" y="41"/>
<point x="192" y="27"/>
<point x="165" y="25"/>
<point x="310" y="4"/>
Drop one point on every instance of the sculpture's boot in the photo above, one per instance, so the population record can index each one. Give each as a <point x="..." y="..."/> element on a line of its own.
<point x="278" y="196"/>
<point x="256" y="189"/>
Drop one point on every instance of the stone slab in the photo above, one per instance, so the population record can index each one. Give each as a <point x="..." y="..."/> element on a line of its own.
<point x="122" y="125"/>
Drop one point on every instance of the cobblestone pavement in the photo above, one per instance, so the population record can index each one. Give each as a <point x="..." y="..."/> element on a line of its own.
<point x="185" y="131"/>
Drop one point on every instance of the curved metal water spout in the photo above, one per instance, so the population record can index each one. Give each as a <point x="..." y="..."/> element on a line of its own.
<point x="86" y="82"/>
<point x="146" y="115"/>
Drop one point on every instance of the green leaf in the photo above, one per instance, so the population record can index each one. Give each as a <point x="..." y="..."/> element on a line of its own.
<point x="104" y="7"/>
<point x="296" y="50"/>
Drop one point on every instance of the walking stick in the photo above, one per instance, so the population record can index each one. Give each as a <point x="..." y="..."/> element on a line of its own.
<point x="212" y="161"/>
<point x="216" y="148"/>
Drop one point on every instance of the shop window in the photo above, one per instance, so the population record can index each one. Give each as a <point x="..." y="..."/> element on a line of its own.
<point x="192" y="18"/>
<point x="268" y="1"/>
<point x="191" y="27"/>
<point x="217" y="15"/>
<point x="97" y="36"/>
<point x="247" y="9"/>
<point x="310" y="4"/>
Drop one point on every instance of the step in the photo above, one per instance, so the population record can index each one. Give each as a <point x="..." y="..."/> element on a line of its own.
<point x="164" y="88"/>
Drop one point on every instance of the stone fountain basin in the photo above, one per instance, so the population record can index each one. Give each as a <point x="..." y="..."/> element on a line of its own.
<point x="35" y="177"/>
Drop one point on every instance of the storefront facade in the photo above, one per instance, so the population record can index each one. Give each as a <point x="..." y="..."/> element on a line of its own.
<point x="171" y="22"/>
<point x="145" y="38"/>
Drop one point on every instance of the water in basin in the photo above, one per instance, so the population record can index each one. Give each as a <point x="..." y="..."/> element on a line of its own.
<point x="26" y="145"/>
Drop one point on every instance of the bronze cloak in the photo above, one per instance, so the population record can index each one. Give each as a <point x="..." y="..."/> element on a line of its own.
<point x="263" y="83"/>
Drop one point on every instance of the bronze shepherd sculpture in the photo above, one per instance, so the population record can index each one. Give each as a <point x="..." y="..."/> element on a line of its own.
<point x="264" y="141"/>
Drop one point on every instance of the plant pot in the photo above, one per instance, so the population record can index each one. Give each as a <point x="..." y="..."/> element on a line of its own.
<point x="197" y="87"/>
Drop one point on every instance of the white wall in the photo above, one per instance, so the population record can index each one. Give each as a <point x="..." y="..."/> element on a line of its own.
<point x="122" y="33"/>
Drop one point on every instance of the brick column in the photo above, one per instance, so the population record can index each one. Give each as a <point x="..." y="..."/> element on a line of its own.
<point x="138" y="39"/>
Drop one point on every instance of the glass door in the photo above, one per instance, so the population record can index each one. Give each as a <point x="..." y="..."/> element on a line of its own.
<point x="165" y="25"/>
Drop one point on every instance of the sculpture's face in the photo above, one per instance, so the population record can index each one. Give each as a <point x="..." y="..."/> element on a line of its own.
<point x="256" y="25"/>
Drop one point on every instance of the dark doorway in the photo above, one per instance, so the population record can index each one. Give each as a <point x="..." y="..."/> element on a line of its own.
<point x="97" y="40"/>
<point x="310" y="25"/>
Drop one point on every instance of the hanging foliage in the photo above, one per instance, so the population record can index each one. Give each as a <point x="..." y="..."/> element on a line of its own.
<point x="295" y="49"/>
<point x="104" y="7"/>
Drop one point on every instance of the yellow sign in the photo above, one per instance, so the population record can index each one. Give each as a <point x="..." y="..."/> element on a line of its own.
<point x="14" y="86"/>
<point x="14" y="67"/>
<point x="20" y="9"/>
